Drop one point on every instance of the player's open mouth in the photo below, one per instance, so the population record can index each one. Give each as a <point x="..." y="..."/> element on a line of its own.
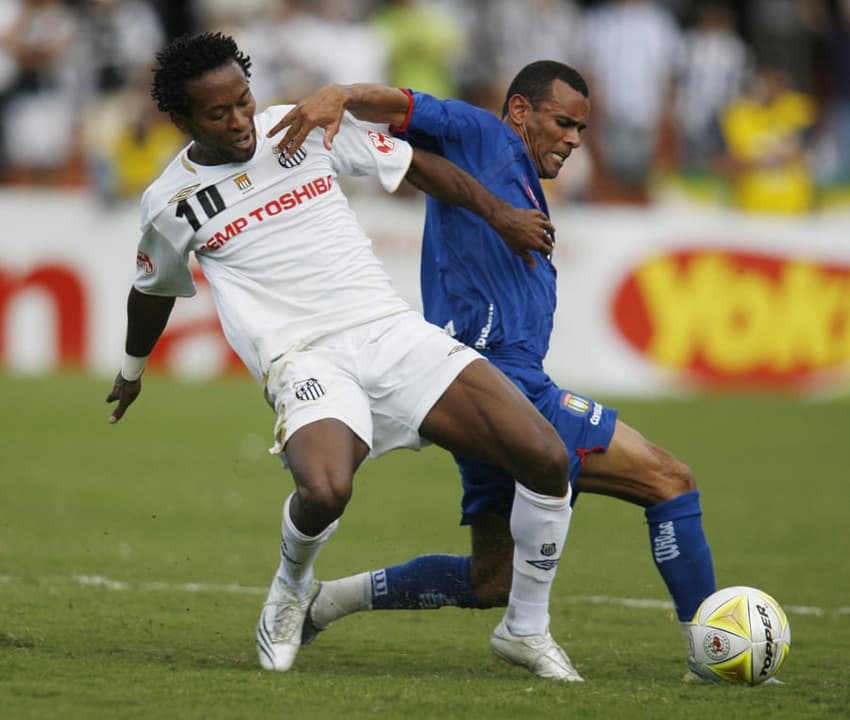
<point x="246" y="142"/>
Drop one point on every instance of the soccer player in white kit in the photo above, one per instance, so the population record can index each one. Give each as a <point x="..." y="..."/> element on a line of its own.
<point x="350" y="369"/>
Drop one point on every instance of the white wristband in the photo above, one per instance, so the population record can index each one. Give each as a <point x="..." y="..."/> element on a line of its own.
<point x="133" y="367"/>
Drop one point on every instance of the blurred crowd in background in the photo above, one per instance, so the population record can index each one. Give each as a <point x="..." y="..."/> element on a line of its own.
<point x="742" y="104"/>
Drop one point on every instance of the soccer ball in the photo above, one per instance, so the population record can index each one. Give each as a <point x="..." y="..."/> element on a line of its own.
<point x="738" y="635"/>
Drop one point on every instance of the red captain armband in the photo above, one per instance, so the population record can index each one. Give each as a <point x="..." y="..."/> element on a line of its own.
<point x="395" y="129"/>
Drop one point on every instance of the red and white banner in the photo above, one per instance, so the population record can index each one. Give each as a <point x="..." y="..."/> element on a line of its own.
<point x="650" y="301"/>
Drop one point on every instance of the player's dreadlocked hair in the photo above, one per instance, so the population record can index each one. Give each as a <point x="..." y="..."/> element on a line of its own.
<point x="534" y="82"/>
<point x="187" y="58"/>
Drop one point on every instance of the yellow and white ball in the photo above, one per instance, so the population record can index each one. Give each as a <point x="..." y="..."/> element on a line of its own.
<point x="738" y="635"/>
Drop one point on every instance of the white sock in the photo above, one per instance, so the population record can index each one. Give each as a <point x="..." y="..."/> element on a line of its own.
<point x="539" y="525"/>
<point x="298" y="552"/>
<point x="342" y="597"/>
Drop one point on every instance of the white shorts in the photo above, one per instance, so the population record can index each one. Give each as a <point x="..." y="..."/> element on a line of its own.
<point x="381" y="379"/>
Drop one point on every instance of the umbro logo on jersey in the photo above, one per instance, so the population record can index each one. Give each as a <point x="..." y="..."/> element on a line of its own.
<point x="184" y="193"/>
<point x="309" y="389"/>
<point x="292" y="161"/>
<point x="382" y="143"/>
<point x="457" y="349"/>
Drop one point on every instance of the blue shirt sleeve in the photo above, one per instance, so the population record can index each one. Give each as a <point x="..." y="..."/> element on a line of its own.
<point x="469" y="136"/>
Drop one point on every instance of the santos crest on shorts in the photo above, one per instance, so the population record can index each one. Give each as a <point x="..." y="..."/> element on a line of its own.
<point x="286" y="258"/>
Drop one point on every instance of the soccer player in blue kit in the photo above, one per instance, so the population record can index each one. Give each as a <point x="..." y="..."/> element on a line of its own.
<point x="503" y="304"/>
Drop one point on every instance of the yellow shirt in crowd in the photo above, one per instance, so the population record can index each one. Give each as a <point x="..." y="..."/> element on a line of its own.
<point x="767" y="139"/>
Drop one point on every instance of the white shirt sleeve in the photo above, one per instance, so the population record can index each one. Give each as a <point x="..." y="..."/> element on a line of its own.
<point x="364" y="149"/>
<point x="160" y="269"/>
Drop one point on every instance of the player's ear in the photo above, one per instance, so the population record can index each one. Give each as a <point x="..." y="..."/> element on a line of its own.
<point x="518" y="108"/>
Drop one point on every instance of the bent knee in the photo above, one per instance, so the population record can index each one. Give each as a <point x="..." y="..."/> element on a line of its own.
<point x="548" y="471"/>
<point x="555" y="471"/>
<point x="324" y="496"/>
<point x="675" y="478"/>
<point x="678" y="476"/>
<point x="656" y="475"/>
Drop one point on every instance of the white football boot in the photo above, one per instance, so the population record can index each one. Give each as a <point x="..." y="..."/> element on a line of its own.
<point x="539" y="653"/>
<point x="279" y="626"/>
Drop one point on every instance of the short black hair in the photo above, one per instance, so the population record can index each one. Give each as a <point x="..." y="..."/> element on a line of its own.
<point x="534" y="82"/>
<point x="187" y="58"/>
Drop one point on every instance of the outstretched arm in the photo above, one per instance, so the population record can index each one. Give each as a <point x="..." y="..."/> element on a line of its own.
<point x="522" y="230"/>
<point x="325" y="107"/>
<point x="147" y="316"/>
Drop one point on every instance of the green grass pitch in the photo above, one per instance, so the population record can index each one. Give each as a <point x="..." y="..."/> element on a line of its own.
<point x="134" y="560"/>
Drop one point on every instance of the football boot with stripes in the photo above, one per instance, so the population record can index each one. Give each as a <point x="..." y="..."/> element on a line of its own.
<point x="539" y="653"/>
<point x="280" y="625"/>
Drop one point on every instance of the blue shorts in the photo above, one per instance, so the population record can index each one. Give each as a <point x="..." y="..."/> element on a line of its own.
<point x="584" y="425"/>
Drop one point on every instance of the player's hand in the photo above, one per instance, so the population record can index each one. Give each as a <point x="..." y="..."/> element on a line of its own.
<point x="125" y="392"/>
<point x="324" y="108"/>
<point x="525" y="231"/>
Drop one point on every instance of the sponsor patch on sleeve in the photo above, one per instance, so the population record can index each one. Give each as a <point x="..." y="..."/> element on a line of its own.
<point x="383" y="143"/>
<point x="144" y="263"/>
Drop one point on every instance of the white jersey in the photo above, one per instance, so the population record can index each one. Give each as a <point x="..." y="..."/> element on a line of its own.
<point x="285" y="257"/>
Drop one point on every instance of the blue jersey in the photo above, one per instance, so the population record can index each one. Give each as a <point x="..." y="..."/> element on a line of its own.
<point x="473" y="285"/>
<point x="471" y="282"/>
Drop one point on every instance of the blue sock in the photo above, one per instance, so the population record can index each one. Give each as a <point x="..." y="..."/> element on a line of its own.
<point x="425" y="582"/>
<point x="681" y="552"/>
